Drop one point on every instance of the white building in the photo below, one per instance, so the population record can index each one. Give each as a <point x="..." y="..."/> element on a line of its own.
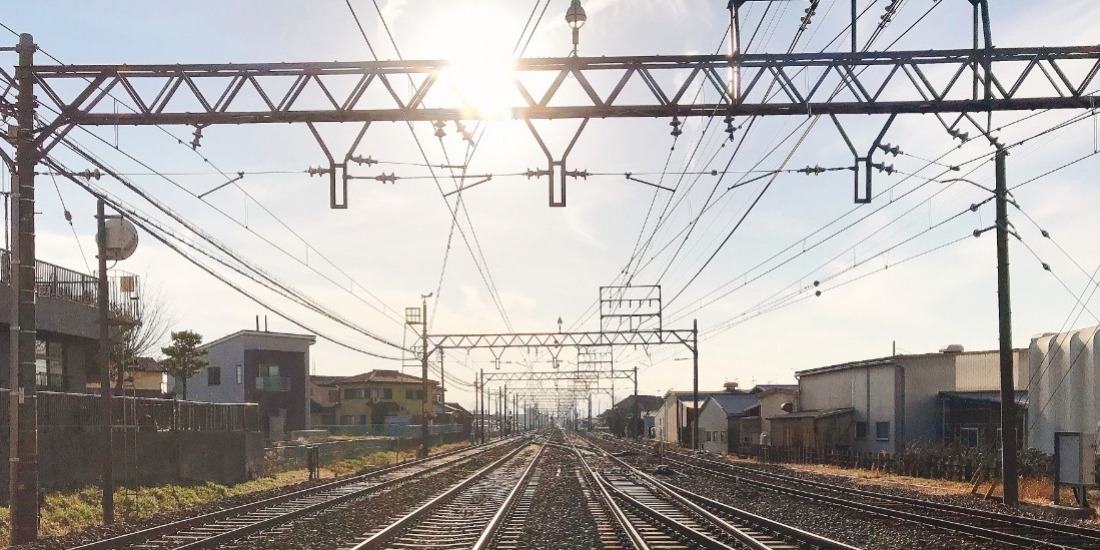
<point x="898" y="399"/>
<point x="1063" y="390"/>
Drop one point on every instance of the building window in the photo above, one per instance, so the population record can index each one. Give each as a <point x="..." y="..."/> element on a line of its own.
<point x="240" y="374"/>
<point x="414" y="394"/>
<point x="345" y="419"/>
<point x="352" y="393"/>
<point x="882" y="431"/>
<point x="861" y="430"/>
<point x="723" y="434"/>
<point x="968" y="436"/>
<point x="213" y="376"/>
<point x="382" y="393"/>
<point x="708" y="436"/>
<point x="362" y="419"/>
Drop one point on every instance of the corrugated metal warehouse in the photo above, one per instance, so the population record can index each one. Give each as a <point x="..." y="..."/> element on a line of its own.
<point x="1063" y="391"/>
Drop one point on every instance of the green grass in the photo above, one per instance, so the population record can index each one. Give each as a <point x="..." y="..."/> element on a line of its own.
<point x="71" y="511"/>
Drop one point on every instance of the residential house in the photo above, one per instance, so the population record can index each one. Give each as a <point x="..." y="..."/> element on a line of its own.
<point x="617" y="417"/>
<point x="775" y="400"/>
<point x="895" y="400"/>
<point x="66" y="322"/>
<point x="324" y="397"/>
<point x="384" y="397"/>
<point x="729" y="418"/>
<point x="1063" y="376"/>
<point x="267" y="368"/>
<point x="144" y="377"/>
<point x="677" y="412"/>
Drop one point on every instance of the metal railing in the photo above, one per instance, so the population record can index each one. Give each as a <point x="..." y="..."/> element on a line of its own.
<point x="51" y="380"/>
<point x="272" y="383"/>
<point x="52" y="280"/>
<point x="57" y="410"/>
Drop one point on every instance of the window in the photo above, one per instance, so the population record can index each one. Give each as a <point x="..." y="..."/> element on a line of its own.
<point x="387" y="393"/>
<point x="351" y="393"/>
<point x="723" y="434"/>
<point x="269" y="371"/>
<point x="968" y="436"/>
<point x="362" y="419"/>
<point x="414" y="394"/>
<point x="213" y="376"/>
<point x="882" y="431"/>
<point x="861" y="430"/>
<point x="345" y="419"/>
<point x="709" y="436"/>
<point x="240" y="374"/>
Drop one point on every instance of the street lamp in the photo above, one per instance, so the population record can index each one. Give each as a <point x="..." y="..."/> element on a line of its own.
<point x="575" y="18"/>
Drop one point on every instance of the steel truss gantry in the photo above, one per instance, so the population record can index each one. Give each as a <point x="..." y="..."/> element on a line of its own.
<point x="797" y="84"/>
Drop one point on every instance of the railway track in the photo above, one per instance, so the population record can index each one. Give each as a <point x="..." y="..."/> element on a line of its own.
<point x="993" y="526"/>
<point x="469" y="515"/>
<point x="649" y="513"/>
<point x="217" y="529"/>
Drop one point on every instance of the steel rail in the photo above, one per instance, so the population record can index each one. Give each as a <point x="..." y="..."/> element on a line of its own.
<point x="151" y="533"/>
<point x="738" y="533"/>
<point x="946" y="524"/>
<point x="1057" y="528"/>
<point x="491" y="529"/>
<point x="378" y="539"/>
<point x="693" y="535"/>
<point x="616" y="512"/>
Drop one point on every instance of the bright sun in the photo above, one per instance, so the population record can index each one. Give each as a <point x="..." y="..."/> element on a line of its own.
<point x="480" y="63"/>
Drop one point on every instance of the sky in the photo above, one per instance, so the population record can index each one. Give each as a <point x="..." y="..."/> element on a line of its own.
<point x="511" y="263"/>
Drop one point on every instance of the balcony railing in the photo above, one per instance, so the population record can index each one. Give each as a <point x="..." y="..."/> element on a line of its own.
<point x="61" y="282"/>
<point x="272" y="383"/>
<point x="50" y="380"/>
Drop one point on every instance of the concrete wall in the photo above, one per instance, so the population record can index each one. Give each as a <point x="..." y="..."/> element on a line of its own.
<point x="71" y="459"/>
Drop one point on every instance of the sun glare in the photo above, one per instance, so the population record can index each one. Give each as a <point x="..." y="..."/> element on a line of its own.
<point x="480" y="63"/>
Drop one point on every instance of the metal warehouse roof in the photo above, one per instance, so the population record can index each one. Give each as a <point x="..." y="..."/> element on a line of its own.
<point x="984" y="396"/>
<point x="814" y="414"/>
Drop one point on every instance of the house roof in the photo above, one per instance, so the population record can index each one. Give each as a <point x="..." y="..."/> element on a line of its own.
<point x="688" y="396"/>
<point x="147" y="364"/>
<point x="325" y="380"/>
<point x="457" y="409"/>
<point x="283" y="335"/>
<point x="761" y="388"/>
<point x="823" y="413"/>
<point x="890" y="360"/>
<point x="734" y="404"/>
<point x="379" y="376"/>
<point x="990" y="397"/>
<point x="645" y="402"/>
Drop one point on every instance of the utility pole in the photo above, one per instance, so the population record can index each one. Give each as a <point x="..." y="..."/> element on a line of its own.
<point x="442" y="379"/>
<point x="637" y="422"/>
<point x="108" y="482"/>
<point x="481" y="406"/>
<point x="23" y="414"/>
<point x="1004" y="312"/>
<point x="425" y="402"/>
<point x="695" y="387"/>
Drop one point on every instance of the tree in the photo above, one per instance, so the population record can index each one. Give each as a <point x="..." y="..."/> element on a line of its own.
<point x="183" y="358"/>
<point x="152" y="318"/>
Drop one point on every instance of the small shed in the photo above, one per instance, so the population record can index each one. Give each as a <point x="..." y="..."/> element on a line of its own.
<point x="724" y="417"/>
<point x="820" y="429"/>
<point x="973" y="418"/>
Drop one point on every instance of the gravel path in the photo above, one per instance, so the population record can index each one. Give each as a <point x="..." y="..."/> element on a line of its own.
<point x="559" y="518"/>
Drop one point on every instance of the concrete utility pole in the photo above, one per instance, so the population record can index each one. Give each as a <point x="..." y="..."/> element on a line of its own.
<point x="695" y="382"/>
<point x="23" y="414"/>
<point x="425" y="403"/>
<point x="108" y="481"/>
<point x="637" y="422"/>
<point x="1004" y="311"/>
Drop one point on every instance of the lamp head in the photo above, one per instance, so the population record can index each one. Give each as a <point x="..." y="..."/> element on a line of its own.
<point x="575" y="15"/>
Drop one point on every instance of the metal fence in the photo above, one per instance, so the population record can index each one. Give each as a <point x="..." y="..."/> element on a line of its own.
<point x="61" y="282"/>
<point x="79" y="411"/>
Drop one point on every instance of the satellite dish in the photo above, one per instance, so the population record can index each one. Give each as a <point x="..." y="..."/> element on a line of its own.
<point x="122" y="239"/>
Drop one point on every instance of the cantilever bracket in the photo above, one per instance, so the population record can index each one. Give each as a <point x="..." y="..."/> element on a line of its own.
<point x="556" y="184"/>
<point x="862" y="193"/>
<point x="338" y="192"/>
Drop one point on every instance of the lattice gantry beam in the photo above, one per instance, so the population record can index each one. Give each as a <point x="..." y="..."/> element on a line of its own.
<point x="557" y="340"/>
<point x="935" y="81"/>
<point x="563" y="375"/>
